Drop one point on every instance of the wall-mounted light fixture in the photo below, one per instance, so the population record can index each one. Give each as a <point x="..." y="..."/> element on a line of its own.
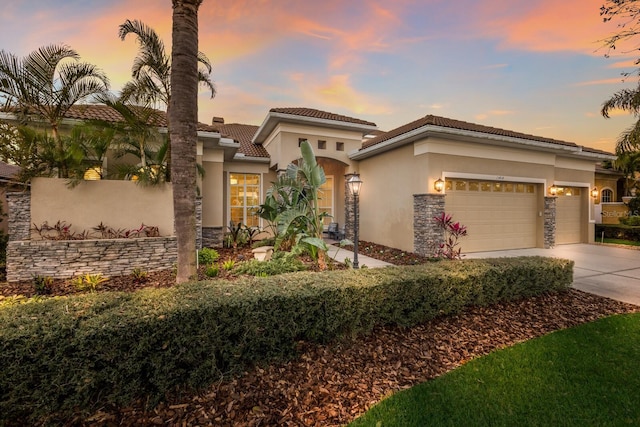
<point x="438" y="185"/>
<point x="553" y="190"/>
<point x="594" y="192"/>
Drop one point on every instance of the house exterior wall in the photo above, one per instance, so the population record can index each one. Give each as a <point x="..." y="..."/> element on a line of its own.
<point x="386" y="197"/>
<point x="386" y="213"/>
<point x="283" y="147"/>
<point x="117" y="204"/>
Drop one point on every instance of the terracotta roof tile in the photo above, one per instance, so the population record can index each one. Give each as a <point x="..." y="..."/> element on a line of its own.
<point x="243" y="134"/>
<point x="108" y="114"/>
<point x="457" y="124"/>
<point x="310" y="112"/>
<point x="8" y="171"/>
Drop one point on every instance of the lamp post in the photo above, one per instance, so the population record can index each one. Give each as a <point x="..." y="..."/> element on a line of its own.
<point x="354" y="182"/>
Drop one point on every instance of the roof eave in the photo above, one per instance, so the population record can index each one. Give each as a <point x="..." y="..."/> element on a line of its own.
<point x="273" y="118"/>
<point x="431" y="130"/>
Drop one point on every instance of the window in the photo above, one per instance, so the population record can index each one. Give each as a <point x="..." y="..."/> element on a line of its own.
<point x="244" y="198"/>
<point x="339" y="146"/>
<point x="606" y="195"/>
<point x="325" y="200"/>
<point x="322" y="145"/>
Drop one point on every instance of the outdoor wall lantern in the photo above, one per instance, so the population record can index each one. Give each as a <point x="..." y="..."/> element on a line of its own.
<point x="438" y="185"/>
<point x="594" y="192"/>
<point x="355" y="183"/>
<point x="553" y="190"/>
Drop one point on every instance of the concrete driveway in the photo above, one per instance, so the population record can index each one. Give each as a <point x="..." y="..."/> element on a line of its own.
<point x="609" y="271"/>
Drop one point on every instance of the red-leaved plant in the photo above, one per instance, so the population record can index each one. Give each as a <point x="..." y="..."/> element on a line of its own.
<point x="452" y="232"/>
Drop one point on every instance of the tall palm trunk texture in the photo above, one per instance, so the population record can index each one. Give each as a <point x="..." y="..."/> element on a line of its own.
<point x="183" y="116"/>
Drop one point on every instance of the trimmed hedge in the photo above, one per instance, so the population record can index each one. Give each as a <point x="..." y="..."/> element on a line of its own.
<point x="618" y="231"/>
<point x="96" y="349"/>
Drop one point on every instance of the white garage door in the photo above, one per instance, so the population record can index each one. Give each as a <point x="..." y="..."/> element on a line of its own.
<point x="569" y="215"/>
<point x="498" y="215"/>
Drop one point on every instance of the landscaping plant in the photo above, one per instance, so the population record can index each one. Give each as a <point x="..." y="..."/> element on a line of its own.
<point x="453" y="231"/>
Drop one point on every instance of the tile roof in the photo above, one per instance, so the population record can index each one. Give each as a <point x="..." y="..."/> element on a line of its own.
<point x="8" y="171"/>
<point x="318" y="114"/>
<point x="108" y="114"/>
<point x="243" y="134"/>
<point x="457" y="124"/>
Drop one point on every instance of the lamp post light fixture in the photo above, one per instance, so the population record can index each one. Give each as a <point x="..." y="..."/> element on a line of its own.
<point x="553" y="190"/>
<point x="595" y="192"/>
<point x="438" y="185"/>
<point x="354" y="182"/>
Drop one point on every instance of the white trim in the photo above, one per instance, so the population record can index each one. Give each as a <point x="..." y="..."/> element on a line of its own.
<point x="228" y="201"/>
<point x="431" y="130"/>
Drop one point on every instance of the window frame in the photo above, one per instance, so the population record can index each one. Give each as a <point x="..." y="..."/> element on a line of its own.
<point x="244" y="197"/>
<point x="608" y="191"/>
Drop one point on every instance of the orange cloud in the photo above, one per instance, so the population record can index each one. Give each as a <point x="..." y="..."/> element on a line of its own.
<point x="616" y="80"/>
<point x="546" y="25"/>
<point x="336" y="93"/>
<point x="493" y="113"/>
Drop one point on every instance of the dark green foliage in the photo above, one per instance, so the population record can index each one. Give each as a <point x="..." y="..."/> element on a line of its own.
<point x="42" y="285"/>
<point x="282" y="262"/>
<point x="633" y="221"/>
<point x="94" y="349"/>
<point x="207" y="256"/>
<point x="212" y="271"/>
<point x="618" y="231"/>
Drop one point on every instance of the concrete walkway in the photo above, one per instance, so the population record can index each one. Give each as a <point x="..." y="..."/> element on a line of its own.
<point x="605" y="270"/>
<point x="340" y="254"/>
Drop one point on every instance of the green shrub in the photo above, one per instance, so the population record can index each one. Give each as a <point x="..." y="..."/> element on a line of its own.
<point x="212" y="271"/>
<point x="633" y="221"/>
<point x="91" y="350"/>
<point x="618" y="231"/>
<point x="42" y="285"/>
<point x="276" y="265"/>
<point x="270" y="241"/>
<point x="207" y="256"/>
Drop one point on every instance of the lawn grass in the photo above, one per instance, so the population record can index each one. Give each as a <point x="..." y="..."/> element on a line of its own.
<point x="584" y="376"/>
<point x="621" y="242"/>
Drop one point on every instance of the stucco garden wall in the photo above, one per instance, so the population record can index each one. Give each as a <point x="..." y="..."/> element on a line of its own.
<point x="117" y="204"/>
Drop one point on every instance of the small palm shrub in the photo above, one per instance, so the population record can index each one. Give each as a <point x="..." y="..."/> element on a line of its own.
<point x="207" y="256"/>
<point x="212" y="271"/>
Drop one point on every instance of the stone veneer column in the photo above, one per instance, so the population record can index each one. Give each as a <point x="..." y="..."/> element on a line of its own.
<point x="198" y="223"/>
<point x="19" y="216"/>
<point x="349" y="211"/>
<point x="212" y="237"/>
<point x="549" y="222"/>
<point x="427" y="236"/>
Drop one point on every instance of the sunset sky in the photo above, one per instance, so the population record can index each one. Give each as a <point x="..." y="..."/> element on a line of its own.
<point x="532" y="66"/>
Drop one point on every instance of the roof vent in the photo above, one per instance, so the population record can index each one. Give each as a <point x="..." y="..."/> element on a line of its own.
<point x="219" y="120"/>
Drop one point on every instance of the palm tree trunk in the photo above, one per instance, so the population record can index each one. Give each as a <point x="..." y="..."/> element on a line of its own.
<point x="183" y="117"/>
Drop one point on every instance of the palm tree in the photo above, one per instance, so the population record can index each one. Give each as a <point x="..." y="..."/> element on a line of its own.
<point x="151" y="71"/>
<point x="626" y="100"/>
<point x="183" y="117"/>
<point x="46" y="82"/>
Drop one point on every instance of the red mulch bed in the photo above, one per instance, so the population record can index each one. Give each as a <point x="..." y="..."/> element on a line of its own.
<point x="330" y="385"/>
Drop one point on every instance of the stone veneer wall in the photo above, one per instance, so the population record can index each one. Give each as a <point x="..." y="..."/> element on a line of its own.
<point x="69" y="258"/>
<point x="549" y="222"/>
<point x="19" y="216"/>
<point x="212" y="237"/>
<point x="427" y="236"/>
<point x="349" y="211"/>
<point x="198" y="223"/>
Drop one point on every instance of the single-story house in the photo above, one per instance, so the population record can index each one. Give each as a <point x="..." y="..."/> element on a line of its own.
<point x="511" y="190"/>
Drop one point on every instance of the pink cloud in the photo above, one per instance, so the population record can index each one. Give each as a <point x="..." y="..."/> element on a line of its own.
<point x="545" y="25"/>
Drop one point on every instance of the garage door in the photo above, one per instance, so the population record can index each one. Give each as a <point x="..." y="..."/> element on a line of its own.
<point x="569" y="215"/>
<point x="498" y="215"/>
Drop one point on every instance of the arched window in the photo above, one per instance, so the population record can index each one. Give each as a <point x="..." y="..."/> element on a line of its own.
<point x="606" y="196"/>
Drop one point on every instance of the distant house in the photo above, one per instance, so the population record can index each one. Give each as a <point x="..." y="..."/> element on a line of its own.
<point x="512" y="190"/>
